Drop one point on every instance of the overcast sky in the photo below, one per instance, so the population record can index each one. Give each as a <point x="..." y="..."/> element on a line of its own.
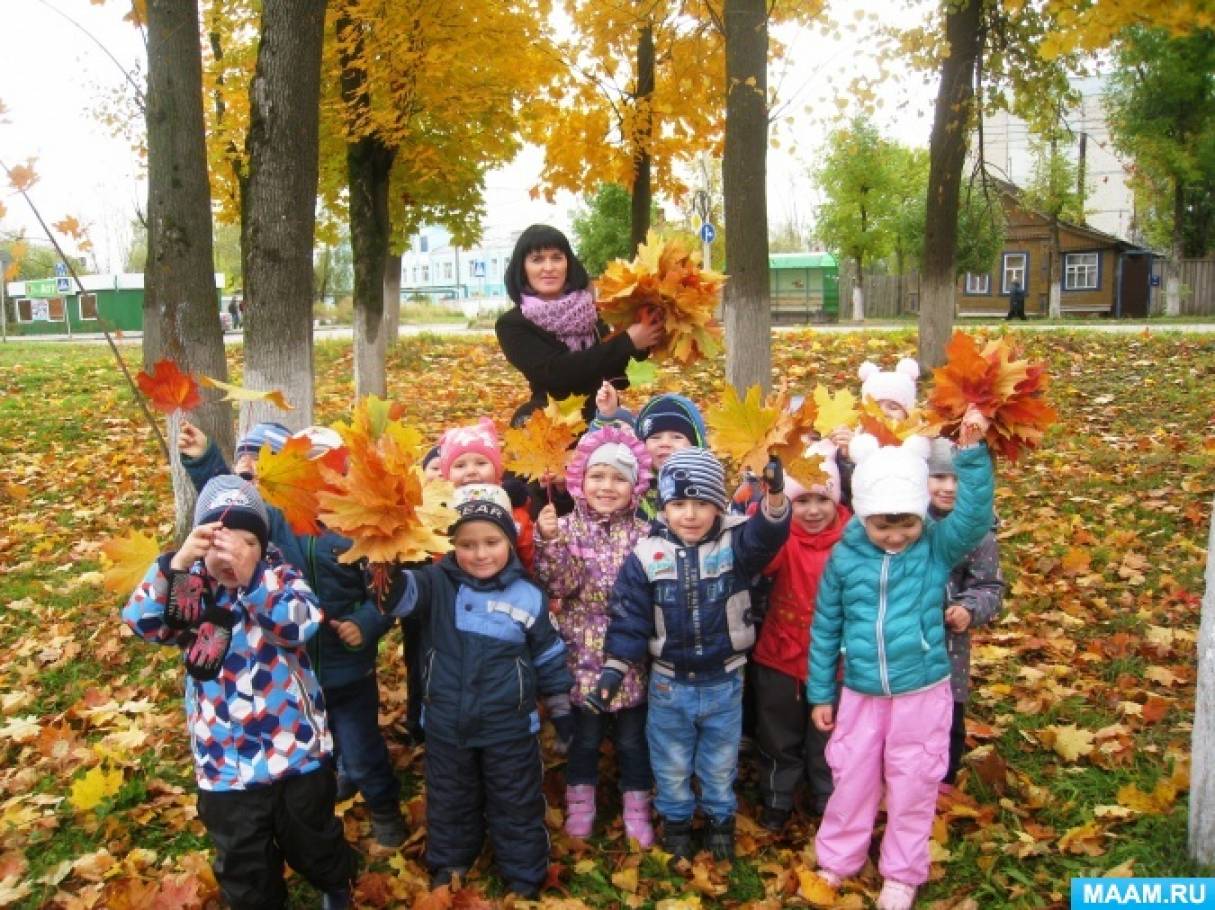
<point x="54" y="80"/>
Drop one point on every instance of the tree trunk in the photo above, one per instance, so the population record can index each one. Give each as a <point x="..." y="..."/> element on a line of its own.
<point x="368" y="163"/>
<point x="946" y="154"/>
<point x="1202" y="749"/>
<point x="181" y="307"/>
<point x="283" y="148"/>
<point x="392" y="296"/>
<point x="1054" y="304"/>
<point x="368" y="166"/>
<point x="858" y="291"/>
<point x="744" y="175"/>
<point x="639" y="213"/>
<point x="1172" y="284"/>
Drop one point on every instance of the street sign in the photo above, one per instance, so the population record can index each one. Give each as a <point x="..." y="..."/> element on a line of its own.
<point x="63" y="285"/>
<point x="478" y="268"/>
<point x="708" y="233"/>
<point x="60" y="269"/>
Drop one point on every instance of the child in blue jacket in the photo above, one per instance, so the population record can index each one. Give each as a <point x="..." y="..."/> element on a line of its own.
<point x="683" y="598"/>
<point x="879" y="604"/>
<point x="343" y="652"/>
<point x="489" y="650"/>
<point x="254" y="710"/>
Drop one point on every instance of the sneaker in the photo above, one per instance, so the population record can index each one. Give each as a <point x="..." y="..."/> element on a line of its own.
<point x="773" y="819"/>
<point x="677" y="839"/>
<point x="829" y="877"/>
<point x="896" y="896"/>
<point x="388" y="826"/>
<point x="720" y="840"/>
<point x="336" y="900"/>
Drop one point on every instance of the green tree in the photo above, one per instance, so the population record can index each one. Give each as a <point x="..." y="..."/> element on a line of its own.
<point x="1161" y="106"/>
<point x="857" y="178"/>
<point x="981" y="227"/>
<point x="1053" y="191"/>
<point x="602" y="228"/>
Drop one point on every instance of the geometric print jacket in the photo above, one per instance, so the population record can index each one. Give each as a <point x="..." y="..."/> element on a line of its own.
<point x="263" y="718"/>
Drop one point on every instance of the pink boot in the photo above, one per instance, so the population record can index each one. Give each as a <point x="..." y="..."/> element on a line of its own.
<point x="637" y="818"/>
<point x="579" y="810"/>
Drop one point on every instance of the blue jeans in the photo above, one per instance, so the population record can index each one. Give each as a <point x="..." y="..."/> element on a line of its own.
<point x="354" y="720"/>
<point x="695" y="730"/>
<point x="628" y="738"/>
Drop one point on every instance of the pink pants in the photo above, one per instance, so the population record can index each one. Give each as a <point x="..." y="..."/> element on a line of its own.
<point x="902" y="742"/>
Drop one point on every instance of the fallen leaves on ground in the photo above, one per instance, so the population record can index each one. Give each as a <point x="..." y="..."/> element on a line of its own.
<point x="1103" y="532"/>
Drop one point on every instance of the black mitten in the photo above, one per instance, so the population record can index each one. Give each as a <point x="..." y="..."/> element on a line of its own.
<point x="189" y="599"/>
<point x="208" y="644"/>
<point x="605" y="690"/>
<point x="774" y="476"/>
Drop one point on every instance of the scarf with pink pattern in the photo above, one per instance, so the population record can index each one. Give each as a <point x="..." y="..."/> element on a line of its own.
<point x="571" y="317"/>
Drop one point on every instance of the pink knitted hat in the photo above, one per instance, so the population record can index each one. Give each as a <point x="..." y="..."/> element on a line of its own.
<point x="611" y="435"/>
<point x="481" y="438"/>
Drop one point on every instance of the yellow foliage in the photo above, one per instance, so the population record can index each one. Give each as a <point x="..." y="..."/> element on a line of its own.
<point x="126" y="560"/>
<point x="834" y="411"/>
<point x="95" y="787"/>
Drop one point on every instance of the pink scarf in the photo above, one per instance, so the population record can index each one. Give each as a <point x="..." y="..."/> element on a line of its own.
<point x="571" y="317"/>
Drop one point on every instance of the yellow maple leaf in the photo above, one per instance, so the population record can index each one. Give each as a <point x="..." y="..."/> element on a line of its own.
<point x="541" y="447"/>
<point x="813" y="889"/>
<point x="126" y="560"/>
<point x="887" y="430"/>
<point x="807" y="470"/>
<point x="1160" y="800"/>
<point x="95" y="787"/>
<point x="237" y="393"/>
<point x="567" y="411"/>
<point x="1083" y="839"/>
<point x="1069" y="741"/>
<point x="750" y="431"/>
<point x="834" y="411"/>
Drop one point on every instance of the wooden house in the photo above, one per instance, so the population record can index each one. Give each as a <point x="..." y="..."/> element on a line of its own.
<point x="1101" y="274"/>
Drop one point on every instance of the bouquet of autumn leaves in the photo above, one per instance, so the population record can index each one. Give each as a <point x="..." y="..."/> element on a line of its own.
<point x="665" y="283"/>
<point x="372" y="491"/>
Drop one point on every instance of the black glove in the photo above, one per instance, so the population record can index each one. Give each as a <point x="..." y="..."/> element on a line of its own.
<point x="563" y="725"/>
<point x="605" y="690"/>
<point x="774" y="476"/>
<point x="189" y="599"/>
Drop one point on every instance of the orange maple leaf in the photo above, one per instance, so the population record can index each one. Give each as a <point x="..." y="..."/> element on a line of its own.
<point x="70" y="225"/>
<point x="22" y="176"/>
<point x="169" y="389"/>
<point x="383" y="502"/>
<point x="665" y="282"/>
<point x="888" y="431"/>
<point x="541" y="447"/>
<point x="126" y="560"/>
<point x="1009" y="392"/>
<point x="290" y="481"/>
<point x="750" y="432"/>
<point x="237" y="393"/>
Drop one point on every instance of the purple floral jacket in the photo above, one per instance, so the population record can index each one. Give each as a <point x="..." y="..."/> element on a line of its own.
<point x="580" y="566"/>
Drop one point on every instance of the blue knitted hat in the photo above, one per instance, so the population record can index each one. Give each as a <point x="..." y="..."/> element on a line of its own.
<point x="235" y="502"/>
<point x="274" y="435"/>
<point x="693" y="473"/>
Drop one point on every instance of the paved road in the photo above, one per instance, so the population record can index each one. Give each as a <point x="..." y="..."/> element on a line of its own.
<point x="1124" y="327"/>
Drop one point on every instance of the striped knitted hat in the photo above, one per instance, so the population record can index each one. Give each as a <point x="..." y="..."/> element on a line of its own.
<point x="236" y="503"/>
<point x="693" y="473"/>
<point x="270" y="434"/>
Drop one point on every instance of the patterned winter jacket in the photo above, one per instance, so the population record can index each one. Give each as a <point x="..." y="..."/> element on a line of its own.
<point x="263" y="718"/>
<point x="882" y="610"/>
<point x="489" y="649"/>
<point x="580" y="566"/>
<point x="689" y="608"/>
<point x="977" y="584"/>
<point x="339" y="587"/>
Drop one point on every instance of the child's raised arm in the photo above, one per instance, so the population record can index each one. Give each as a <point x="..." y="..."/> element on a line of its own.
<point x="191" y="441"/>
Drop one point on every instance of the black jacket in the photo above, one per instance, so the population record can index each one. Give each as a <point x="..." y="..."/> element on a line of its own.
<point x="489" y="649"/>
<point x="552" y="369"/>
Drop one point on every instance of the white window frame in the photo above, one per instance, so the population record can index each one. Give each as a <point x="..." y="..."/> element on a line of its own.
<point x="978" y="285"/>
<point x="425" y="274"/>
<point x="447" y="271"/>
<point x="1074" y="270"/>
<point x="1018" y="272"/>
<point x="80" y="308"/>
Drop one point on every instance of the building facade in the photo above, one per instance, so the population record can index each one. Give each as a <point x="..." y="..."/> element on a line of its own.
<point x="435" y="268"/>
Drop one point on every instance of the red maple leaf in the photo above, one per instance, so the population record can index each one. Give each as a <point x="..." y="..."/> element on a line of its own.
<point x="169" y="389"/>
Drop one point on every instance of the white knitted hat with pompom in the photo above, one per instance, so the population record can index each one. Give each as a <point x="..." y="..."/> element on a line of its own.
<point x="889" y="480"/>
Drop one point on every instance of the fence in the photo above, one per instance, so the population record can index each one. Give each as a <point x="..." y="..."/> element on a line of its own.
<point x="1197" y="287"/>
<point x="886" y="296"/>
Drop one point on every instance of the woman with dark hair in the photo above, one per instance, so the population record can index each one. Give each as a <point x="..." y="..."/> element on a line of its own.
<point x="553" y="334"/>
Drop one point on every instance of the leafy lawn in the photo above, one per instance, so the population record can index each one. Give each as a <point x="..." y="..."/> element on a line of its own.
<point x="1080" y="722"/>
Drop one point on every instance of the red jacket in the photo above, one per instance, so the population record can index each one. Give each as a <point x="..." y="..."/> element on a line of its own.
<point x="784" y="639"/>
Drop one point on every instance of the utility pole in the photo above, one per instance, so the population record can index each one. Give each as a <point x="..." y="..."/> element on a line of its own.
<point x="4" y="261"/>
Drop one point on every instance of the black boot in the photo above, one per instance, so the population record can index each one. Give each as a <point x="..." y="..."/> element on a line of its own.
<point x="336" y="900"/>
<point x="773" y="819"/>
<point x="388" y="827"/>
<point x="677" y="839"/>
<point x="720" y="841"/>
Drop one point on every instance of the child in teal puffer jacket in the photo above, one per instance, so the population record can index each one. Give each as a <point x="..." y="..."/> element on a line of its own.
<point x="879" y="604"/>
